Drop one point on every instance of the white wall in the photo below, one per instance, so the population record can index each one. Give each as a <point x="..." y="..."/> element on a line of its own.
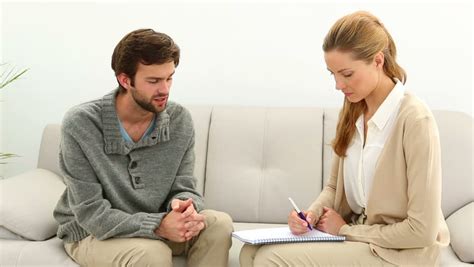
<point x="244" y="53"/>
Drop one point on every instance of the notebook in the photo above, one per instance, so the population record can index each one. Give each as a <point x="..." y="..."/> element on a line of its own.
<point x="282" y="235"/>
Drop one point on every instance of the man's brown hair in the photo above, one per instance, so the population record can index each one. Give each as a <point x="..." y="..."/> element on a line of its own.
<point x="143" y="46"/>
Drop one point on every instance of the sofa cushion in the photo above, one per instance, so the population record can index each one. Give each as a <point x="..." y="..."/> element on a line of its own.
<point x="461" y="227"/>
<point x="27" y="253"/>
<point x="48" y="158"/>
<point x="201" y="118"/>
<point x="457" y="146"/>
<point x="331" y="116"/>
<point x="7" y="234"/>
<point x="448" y="258"/>
<point x="258" y="157"/>
<point x="32" y="197"/>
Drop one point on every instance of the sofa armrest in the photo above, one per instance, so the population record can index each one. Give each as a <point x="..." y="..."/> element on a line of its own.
<point x="461" y="228"/>
<point x="28" y="201"/>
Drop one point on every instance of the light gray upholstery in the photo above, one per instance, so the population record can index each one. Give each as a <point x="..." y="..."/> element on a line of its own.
<point x="330" y="123"/>
<point x="263" y="156"/>
<point x="29" y="203"/>
<point x="456" y="137"/>
<point x="462" y="241"/>
<point x="202" y="119"/>
<point x="49" y="148"/>
<point x="34" y="253"/>
<point x="250" y="159"/>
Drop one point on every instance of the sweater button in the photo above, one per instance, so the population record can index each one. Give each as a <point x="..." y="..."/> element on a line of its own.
<point x="137" y="179"/>
<point x="133" y="165"/>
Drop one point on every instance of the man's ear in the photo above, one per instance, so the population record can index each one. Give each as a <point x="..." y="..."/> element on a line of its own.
<point x="124" y="80"/>
<point x="379" y="60"/>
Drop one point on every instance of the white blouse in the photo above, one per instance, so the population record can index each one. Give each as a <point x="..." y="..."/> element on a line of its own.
<point x="361" y="161"/>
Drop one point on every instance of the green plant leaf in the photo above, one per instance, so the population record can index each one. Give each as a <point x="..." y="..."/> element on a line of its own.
<point x="4" y="156"/>
<point x="9" y="75"/>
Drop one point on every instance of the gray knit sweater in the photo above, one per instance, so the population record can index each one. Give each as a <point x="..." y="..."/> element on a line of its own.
<point x="118" y="189"/>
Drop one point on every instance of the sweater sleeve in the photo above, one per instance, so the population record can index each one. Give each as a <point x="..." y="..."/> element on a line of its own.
<point x="184" y="186"/>
<point x="91" y="210"/>
<point x="419" y="229"/>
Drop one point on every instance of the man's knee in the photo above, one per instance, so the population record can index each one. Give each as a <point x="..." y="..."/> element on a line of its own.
<point x="220" y="223"/>
<point x="211" y="248"/>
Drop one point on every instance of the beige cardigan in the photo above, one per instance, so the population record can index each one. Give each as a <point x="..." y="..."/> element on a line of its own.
<point x="405" y="224"/>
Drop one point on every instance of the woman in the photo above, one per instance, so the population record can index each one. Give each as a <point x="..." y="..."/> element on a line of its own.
<point x="384" y="191"/>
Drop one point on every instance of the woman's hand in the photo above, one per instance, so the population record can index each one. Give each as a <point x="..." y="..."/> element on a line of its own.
<point x="330" y="222"/>
<point x="299" y="226"/>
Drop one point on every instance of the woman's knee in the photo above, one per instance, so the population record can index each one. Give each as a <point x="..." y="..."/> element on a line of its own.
<point x="247" y="255"/>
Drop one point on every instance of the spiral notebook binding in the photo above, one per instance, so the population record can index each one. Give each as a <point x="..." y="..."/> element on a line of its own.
<point x="297" y="240"/>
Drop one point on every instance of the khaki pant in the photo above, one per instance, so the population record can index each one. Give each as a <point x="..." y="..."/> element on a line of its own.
<point x="209" y="248"/>
<point x="311" y="254"/>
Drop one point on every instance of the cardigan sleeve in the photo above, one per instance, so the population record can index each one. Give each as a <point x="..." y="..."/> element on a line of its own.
<point x="327" y="196"/>
<point x="421" y="150"/>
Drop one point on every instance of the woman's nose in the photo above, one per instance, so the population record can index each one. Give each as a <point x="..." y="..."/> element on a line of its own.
<point x="340" y="84"/>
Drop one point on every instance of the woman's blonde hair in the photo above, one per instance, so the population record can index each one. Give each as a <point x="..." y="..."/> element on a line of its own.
<point x="363" y="35"/>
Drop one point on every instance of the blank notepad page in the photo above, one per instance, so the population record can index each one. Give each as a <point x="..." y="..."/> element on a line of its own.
<point x="282" y="235"/>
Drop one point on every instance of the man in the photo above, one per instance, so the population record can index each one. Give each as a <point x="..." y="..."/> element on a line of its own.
<point x="127" y="161"/>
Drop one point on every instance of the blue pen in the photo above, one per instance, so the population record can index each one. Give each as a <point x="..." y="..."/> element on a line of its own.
<point x="300" y="213"/>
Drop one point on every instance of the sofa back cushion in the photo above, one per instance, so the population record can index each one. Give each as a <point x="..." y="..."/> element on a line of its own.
<point x="329" y="132"/>
<point x="201" y="118"/>
<point x="456" y="138"/>
<point x="258" y="157"/>
<point x="49" y="149"/>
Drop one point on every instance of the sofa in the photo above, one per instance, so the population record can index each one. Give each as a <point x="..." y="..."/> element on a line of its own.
<point x="249" y="160"/>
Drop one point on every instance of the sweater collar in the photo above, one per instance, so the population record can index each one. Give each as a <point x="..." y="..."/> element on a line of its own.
<point x="114" y="142"/>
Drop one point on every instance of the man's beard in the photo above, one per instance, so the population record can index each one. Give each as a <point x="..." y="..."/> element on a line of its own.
<point x="143" y="103"/>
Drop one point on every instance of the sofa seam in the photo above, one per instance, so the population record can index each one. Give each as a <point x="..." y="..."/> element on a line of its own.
<point x="263" y="164"/>
<point x="20" y="254"/>
<point x="207" y="153"/>
<point x="323" y="145"/>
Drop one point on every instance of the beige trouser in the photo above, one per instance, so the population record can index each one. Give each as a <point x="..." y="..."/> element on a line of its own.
<point x="209" y="248"/>
<point x="311" y="254"/>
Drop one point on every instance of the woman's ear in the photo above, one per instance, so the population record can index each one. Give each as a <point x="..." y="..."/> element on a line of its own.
<point x="379" y="60"/>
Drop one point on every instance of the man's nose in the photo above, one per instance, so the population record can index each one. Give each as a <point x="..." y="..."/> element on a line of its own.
<point x="164" y="87"/>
